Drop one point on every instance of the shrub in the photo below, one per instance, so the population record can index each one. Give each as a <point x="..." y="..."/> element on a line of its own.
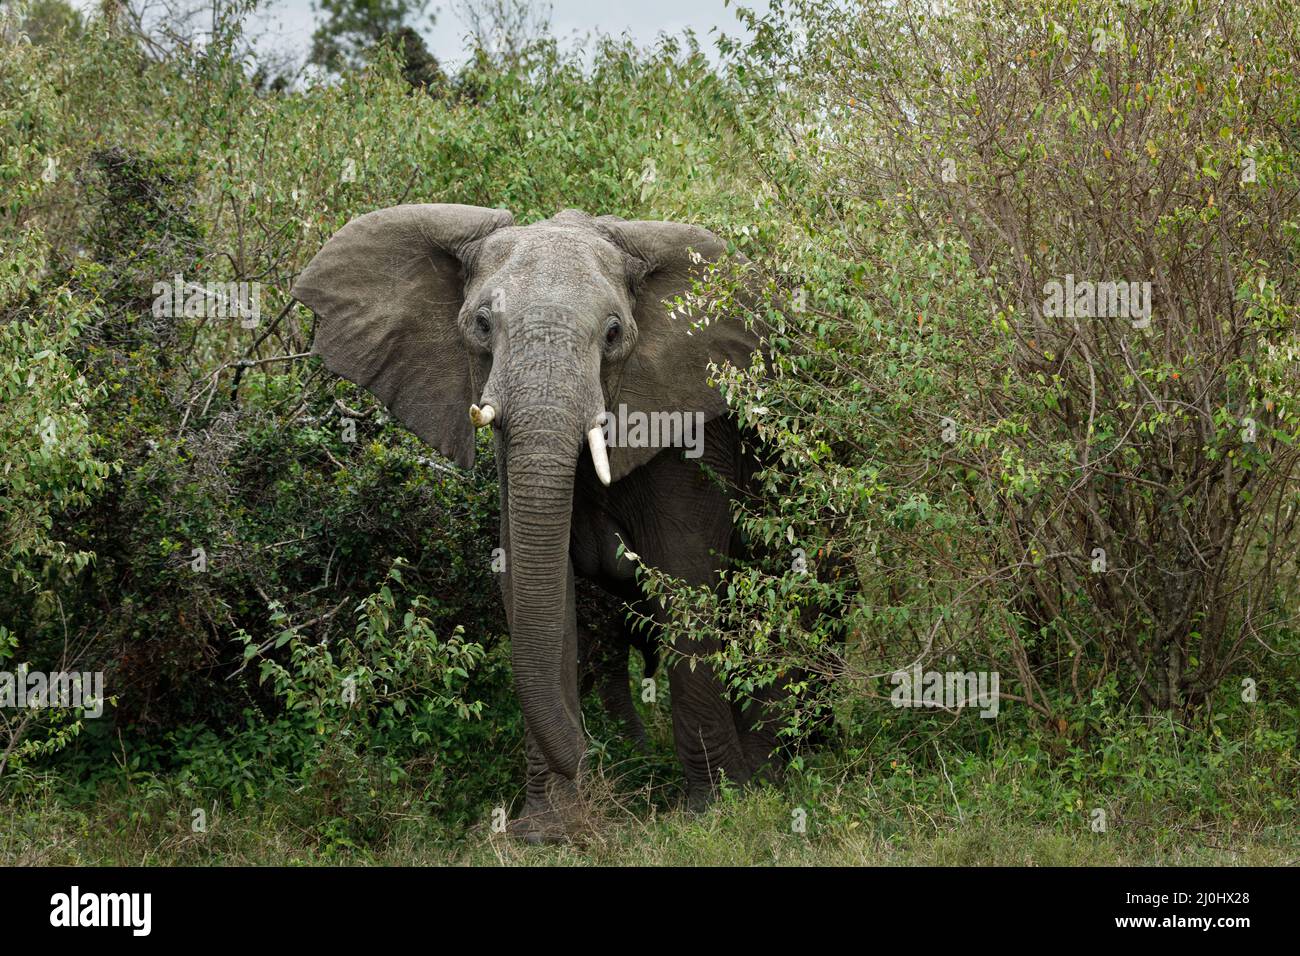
<point x="1066" y="499"/>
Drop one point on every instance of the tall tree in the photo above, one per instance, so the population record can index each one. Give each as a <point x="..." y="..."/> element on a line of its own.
<point x="351" y="29"/>
<point x="503" y="29"/>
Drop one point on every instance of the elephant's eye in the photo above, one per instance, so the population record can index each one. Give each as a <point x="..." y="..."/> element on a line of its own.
<point x="483" y="320"/>
<point x="613" y="329"/>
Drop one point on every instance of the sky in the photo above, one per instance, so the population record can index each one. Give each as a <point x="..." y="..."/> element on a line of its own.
<point x="288" y="24"/>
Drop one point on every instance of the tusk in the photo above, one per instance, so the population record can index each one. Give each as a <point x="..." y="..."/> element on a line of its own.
<point x="482" y="417"/>
<point x="599" y="457"/>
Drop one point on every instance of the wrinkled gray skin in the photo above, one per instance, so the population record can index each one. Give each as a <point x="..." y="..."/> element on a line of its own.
<point x="604" y="643"/>
<point x="435" y="307"/>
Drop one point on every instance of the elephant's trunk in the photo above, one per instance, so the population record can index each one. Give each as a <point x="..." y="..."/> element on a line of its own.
<point x="541" y="502"/>
<point x="541" y="466"/>
<point x="551" y="395"/>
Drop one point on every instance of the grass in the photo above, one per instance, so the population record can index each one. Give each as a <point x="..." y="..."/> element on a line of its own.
<point x="1170" y="796"/>
<point x="743" y="829"/>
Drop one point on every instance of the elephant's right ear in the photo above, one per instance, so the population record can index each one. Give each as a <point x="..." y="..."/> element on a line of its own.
<point x="387" y="290"/>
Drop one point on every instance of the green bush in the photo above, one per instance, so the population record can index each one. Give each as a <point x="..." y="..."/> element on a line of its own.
<point x="1066" y="501"/>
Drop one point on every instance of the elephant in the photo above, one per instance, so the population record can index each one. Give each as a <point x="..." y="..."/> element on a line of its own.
<point x="604" y="645"/>
<point x="455" y="319"/>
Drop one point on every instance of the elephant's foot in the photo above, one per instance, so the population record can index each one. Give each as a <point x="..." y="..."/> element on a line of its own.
<point x="703" y="793"/>
<point x="640" y="741"/>
<point x="699" y="799"/>
<point x="559" y="815"/>
<point x="766" y="763"/>
<point x="539" y="828"/>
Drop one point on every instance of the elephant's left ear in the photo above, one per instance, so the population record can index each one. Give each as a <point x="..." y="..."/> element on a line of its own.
<point x="668" y="371"/>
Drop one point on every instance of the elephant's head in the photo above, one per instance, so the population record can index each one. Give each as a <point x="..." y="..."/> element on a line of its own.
<point x="455" y="317"/>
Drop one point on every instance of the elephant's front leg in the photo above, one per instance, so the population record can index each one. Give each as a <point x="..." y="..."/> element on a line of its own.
<point x="757" y="721"/>
<point x="604" y="656"/>
<point x="704" y="728"/>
